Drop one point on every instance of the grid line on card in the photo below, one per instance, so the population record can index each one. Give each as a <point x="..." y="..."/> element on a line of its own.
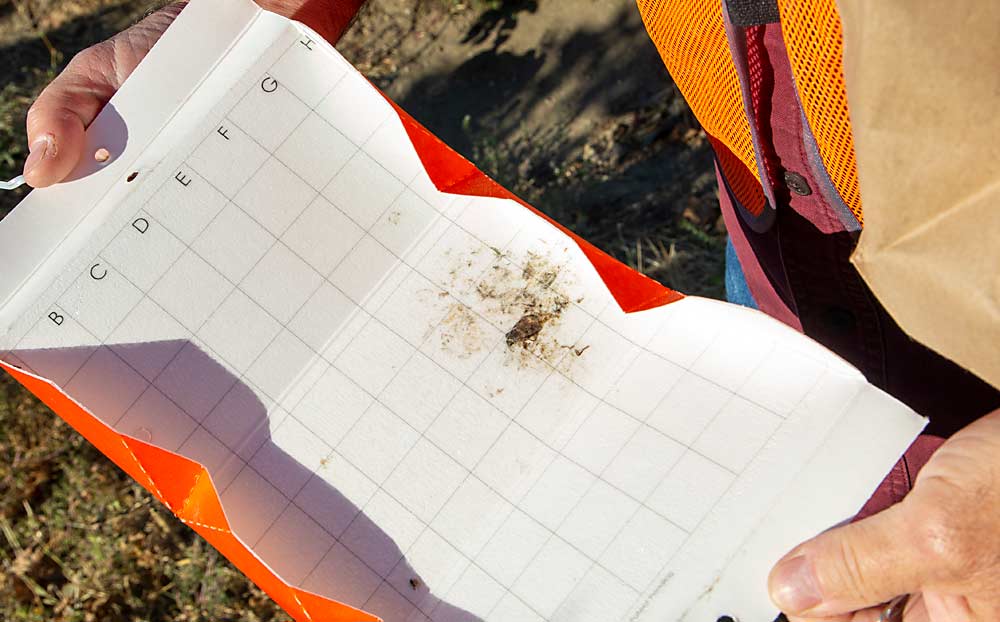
<point x="246" y="465"/>
<point x="237" y="102"/>
<point x="514" y="261"/>
<point x="469" y="473"/>
<point x="146" y="297"/>
<point x="147" y="383"/>
<point x="163" y="127"/>
<point x="188" y="246"/>
<point x="250" y="466"/>
<point x="89" y="356"/>
<point x="689" y="370"/>
<point x="416" y="270"/>
<point x="412" y="354"/>
<point x="713" y="506"/>
<point x="292" y="502"/>
<point x="230" y="294"/>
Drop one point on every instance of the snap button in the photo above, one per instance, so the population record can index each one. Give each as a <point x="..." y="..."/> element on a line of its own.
<point x="797" y="184"/>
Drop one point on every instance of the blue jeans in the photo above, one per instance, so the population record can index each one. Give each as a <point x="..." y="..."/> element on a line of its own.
<point x="737" y="291"/>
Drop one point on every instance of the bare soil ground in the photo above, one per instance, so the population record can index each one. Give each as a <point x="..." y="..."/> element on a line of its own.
<point x="567" y="104"/>
<point x="563" y="101"/>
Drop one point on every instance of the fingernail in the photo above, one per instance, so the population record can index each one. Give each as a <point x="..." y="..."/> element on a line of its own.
<point x="37" y="151"/>
<point x="794" y="587"/>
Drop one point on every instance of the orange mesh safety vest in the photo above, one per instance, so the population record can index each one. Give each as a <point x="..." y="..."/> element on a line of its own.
<point x="691" y="36"/>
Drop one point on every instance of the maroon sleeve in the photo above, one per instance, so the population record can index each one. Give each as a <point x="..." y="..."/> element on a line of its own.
<point x="900" y="480"/>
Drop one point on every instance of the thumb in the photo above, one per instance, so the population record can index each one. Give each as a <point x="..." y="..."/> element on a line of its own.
<point x="851" y="567"/>
<point x="58" y="119"/>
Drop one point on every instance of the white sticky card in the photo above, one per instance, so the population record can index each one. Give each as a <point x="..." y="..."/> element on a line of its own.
<point x="425" y="405"/>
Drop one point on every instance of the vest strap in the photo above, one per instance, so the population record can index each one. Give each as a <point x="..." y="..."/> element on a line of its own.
<point x="746" y="13"/>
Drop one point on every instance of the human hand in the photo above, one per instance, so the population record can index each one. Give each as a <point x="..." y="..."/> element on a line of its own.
<point x="941" y="544"/>
<point x="59" y="117"/>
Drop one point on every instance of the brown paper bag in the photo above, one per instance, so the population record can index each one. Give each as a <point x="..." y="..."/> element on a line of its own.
<point x="923" y="83"/>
